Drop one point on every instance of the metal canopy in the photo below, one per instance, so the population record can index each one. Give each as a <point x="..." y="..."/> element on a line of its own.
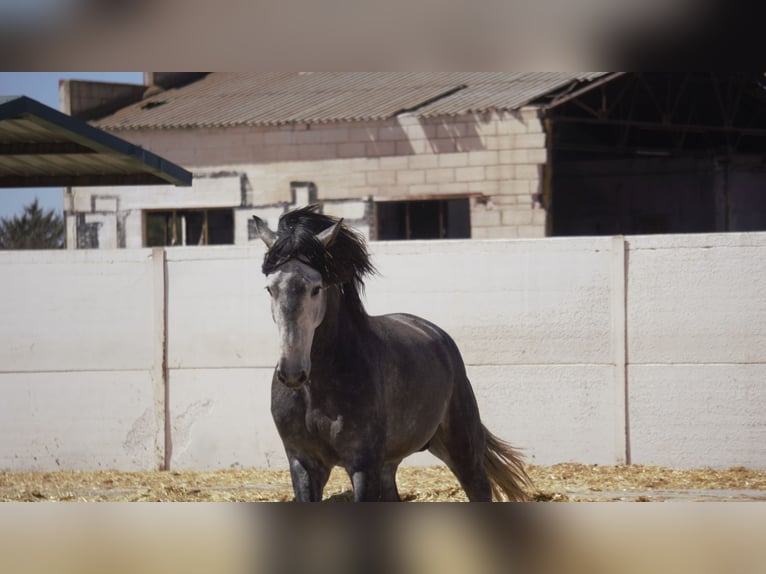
<point x="42" y="147"/>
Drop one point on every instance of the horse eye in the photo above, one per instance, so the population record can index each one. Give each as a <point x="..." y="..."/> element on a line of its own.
<point x="269" y="290"/>
<point x="315" y="291"/>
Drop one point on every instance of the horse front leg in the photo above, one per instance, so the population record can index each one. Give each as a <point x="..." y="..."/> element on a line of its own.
<point x="367" y="485"/>
<point x="309" y="479"/>
<point x="366" y="475"/>
<point x="365" y="464"/>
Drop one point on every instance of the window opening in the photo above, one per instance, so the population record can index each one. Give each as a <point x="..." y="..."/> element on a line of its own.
<point x="189" y="227"/>
<point x="426" y="219"/>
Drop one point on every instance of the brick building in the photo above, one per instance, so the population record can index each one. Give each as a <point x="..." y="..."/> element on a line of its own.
<point x="431" y="155"/>
<point x="436" y="155"/>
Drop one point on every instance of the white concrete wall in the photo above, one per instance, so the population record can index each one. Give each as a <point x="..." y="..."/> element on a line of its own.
<point x="532" y="319"/>
<point x="697" y="349"/>
<point x="221" y="353"/>
<point x="559" y="335"/>
<point x="80" y="373"/>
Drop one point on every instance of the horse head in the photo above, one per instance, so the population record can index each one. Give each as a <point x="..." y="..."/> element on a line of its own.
<point x="298" y="300"/>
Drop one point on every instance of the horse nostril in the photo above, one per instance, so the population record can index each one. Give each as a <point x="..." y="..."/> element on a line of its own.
<point x="292" y="380"/>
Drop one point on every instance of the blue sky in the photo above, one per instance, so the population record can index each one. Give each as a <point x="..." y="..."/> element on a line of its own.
<point x="44" y="87"/>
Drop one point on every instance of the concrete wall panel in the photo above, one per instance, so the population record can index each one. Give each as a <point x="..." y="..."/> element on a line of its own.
<point x="95" y="420"/>
<point x="79" y="311"/>
<point x="698" y="415"/>
<point x="520" y="302"/>
<point x="697" y="299"/>
<point x="219" y="313"/>
<point x="555" y="413"/>
<point x="221" y="418"/>
<point x="535" y="315"/>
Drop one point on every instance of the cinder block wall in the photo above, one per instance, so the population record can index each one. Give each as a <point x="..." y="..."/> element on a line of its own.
<point x="494" y="159"/>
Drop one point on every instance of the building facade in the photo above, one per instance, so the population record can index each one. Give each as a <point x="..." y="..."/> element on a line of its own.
<point x="431" y="155"/>
<point x="413" y="175"/>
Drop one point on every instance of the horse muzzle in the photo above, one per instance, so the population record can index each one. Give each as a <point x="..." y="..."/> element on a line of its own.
<point x="292" y="378"/>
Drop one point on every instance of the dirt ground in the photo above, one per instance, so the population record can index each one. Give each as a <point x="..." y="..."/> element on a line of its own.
<point x="558" y="483"/>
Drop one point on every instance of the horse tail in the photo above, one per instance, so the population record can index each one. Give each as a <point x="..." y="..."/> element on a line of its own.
<point x="505" y="468"/>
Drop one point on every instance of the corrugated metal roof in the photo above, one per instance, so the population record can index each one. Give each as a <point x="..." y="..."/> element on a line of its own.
<point x="275" y="98"/>
<point x="41" y="147"/>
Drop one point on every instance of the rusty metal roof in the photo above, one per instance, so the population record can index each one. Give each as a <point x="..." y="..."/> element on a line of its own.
<point x="42" y="147"/>
<point x="277" y="98"/>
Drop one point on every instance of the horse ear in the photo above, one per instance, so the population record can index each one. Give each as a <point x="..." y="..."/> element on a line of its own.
<point x="266" y="234"/>
<point x="328" y="235"/>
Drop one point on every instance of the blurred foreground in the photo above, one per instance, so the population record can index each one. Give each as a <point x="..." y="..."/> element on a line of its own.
<point x="548" y="34"/>
<point x="443" y="539"/>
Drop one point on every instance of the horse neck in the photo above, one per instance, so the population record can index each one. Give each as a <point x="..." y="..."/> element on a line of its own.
<point x="340" y="326"/>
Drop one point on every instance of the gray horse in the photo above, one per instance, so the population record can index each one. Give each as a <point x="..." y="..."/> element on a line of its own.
<point x="364" y="392"/>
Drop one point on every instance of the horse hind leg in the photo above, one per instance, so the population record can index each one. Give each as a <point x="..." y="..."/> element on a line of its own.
<point x="483" y="464"/>
<point x="460" y="457"/>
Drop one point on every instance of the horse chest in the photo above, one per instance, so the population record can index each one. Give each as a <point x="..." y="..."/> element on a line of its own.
<point x="323" y="423"/>
<point x="328" y="427"/>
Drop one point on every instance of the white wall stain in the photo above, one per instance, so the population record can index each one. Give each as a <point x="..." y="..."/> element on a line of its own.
<point x="140" y="437"/>
<point x="182" y="424"/>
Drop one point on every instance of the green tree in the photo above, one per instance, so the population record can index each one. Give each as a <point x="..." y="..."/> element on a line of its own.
<point x="35" y="229"/>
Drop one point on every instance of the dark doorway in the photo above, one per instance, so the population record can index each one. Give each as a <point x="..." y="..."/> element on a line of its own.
<point x="659" y="152"/>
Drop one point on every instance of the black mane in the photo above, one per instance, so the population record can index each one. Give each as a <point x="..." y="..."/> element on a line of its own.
<point x="345" y="262"/>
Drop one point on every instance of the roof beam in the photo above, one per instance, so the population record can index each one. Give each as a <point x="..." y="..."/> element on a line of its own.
<point x="80" y="180"/>
<point x="43" y="148"/>
<point x="563" y="98"/>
